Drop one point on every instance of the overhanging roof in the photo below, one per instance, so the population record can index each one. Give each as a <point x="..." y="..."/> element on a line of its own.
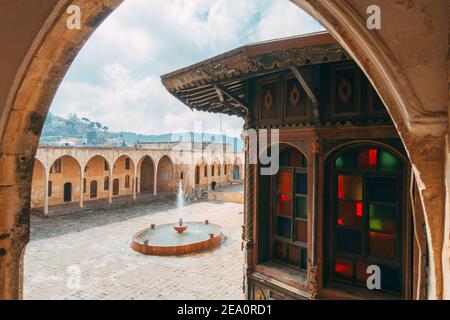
<point x="219" y="84"/>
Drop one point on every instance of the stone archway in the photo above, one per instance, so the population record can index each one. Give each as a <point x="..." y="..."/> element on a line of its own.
<point x="164" y="180"/>
<point x="411" y="103"/>
<point x="147" y="174"/>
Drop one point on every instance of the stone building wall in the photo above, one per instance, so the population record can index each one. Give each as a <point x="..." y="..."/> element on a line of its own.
<point x="160" y="166"/>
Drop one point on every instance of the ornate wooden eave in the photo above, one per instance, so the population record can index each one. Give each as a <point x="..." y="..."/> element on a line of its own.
<point x="220" y="84"/>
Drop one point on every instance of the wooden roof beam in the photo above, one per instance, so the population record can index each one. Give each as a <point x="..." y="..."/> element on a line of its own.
<point x="230" y="95"/>
<point x="309" y="93"/>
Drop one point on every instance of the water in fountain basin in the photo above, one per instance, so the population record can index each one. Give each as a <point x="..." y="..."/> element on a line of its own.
<point x="180" y="200"/>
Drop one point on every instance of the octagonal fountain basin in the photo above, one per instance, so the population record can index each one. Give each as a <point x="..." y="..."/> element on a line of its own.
<point x="164" y="240"/>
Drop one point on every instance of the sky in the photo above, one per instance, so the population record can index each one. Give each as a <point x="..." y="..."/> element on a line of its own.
<point x="115" y="78"/>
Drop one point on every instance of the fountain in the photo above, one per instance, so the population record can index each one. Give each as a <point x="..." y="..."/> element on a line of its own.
<point x="187" y="238"/>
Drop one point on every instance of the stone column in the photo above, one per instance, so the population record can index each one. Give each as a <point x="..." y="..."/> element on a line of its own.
<point x="46" y="174"/>
<point x="81" y="188"/>
<point x="134" y="182"/>
<point x="155" y="179"/>
<point x="110" y="188"/>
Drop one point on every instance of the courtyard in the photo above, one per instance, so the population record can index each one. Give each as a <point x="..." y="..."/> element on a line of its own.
<point x="87" y="255"/>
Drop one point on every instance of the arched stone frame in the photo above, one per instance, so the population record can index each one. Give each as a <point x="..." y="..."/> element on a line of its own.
<point x="55" y="47"/>
<point x="39" y="198"/>
<point x="165" y="183"/>
<point x="152" y="176"/>
<point x="407" y="211"/>
<point x="99" y="178"/>
<point x="215" y="163"/>
<point x="202" y="162"/>
<point x="76" y="179"/>
<point x="121" y="176"/>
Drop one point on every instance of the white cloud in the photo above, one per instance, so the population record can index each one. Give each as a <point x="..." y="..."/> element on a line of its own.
<point x="115" y="78"/>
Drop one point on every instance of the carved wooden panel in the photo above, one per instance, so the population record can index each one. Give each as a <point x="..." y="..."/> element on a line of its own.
<point x="344" y="91"/>
<point x="294" y="100"/>
<point x="268" y="101"/>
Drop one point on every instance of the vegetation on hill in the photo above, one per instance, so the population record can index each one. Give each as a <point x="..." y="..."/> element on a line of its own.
<point x="74" y="131"/>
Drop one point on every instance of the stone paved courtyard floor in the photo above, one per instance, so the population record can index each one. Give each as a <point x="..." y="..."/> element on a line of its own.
<point x="97" y="243"/>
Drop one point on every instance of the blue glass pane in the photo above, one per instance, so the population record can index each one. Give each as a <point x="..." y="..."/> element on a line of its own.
<point x="382" y="189"/>
<point x="284" y="227"/>
<point x="390" y="279"/>
<point x="302" y="183"/>
<point x="348" y="241"/>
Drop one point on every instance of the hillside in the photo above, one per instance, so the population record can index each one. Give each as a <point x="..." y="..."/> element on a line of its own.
<point x="74" y="131"/>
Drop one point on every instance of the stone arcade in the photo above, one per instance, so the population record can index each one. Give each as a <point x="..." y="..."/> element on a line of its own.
<point x="64" y="175"/>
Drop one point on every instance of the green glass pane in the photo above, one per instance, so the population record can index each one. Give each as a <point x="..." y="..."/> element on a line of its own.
<point x="347" y="160"/>
<point x="382" y="218"/>
<point x="304" y="162"/>
<point x="301" y="210"/>
<point x="389" y="162"/>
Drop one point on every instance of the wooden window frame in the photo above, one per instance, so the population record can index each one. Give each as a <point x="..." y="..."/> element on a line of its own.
<point x="401" y="224"/>
<point x="276" y="238"/>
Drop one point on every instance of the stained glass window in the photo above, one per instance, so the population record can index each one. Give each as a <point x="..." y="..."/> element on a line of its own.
<point x="291" y="209"/>
<point x="364" y="158"/>
<point x="367" y="209"/>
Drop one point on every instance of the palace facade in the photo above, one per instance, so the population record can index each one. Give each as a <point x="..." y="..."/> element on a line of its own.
<point x="64" y="175"/>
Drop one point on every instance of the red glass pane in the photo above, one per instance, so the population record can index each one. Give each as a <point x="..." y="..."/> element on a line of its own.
<point x="367" y="159"/>
<point x="284" y="205"/>
<point x="285" y="181"/>
<point x="382" y="245"/>
<point x="350" y="187"/>
<point x="301" y="232"/>
<point x="350" y="214"/>
<point x="359" y="209"/>
<point x="343" y="268"/>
